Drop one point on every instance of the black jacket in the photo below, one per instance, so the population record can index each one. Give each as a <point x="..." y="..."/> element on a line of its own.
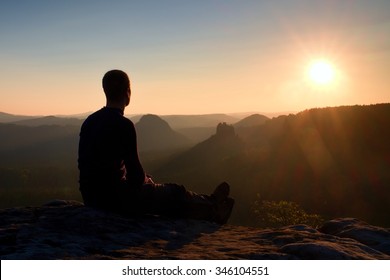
<point x="108" y="155"/>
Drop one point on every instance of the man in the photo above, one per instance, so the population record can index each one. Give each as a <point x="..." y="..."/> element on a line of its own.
<point x="112" y="177"/>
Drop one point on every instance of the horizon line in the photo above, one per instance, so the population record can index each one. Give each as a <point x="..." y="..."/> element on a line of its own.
<point x="75" y="115"/>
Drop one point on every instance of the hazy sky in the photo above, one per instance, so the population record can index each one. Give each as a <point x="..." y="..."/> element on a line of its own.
<point x="186" y="57"/>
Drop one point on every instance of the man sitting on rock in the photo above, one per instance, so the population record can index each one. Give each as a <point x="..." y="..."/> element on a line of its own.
<point x="112" y="177"/>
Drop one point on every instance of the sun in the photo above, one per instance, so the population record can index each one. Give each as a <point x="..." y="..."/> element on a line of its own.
<point x="321" y="72"/>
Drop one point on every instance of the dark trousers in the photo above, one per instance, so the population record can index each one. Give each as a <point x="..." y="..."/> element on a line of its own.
<point x="170" y="200"/>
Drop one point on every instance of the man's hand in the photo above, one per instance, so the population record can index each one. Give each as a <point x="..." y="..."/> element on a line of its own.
<point x="149" y="180"/>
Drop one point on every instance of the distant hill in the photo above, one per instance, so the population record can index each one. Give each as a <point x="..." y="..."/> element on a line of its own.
<point x="50" y="120"/>
<point x="252" y="120"/>
<point x="6" y="118"/>
<point x="155" y="134"/>
<point x="42" y="120"/>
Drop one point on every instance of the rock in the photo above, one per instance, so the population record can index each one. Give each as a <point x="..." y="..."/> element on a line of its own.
<point x="372" y="236"/>
<point x="69" y="230"/>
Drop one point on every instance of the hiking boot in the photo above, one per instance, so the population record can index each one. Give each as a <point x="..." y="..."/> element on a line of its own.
<point x="223" y="210"/>
<point x="221" y="192"/>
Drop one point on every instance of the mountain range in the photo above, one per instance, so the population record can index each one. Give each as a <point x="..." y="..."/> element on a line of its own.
<point x="332" y="161"/>
<point x="175" y="121"/>
<point x="155" y="133"/>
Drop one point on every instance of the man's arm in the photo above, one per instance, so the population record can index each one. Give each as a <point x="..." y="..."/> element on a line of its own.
<point x="135" y="172"/>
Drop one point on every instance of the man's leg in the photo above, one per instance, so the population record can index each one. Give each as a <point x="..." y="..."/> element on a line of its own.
<point x="175" y="201"/>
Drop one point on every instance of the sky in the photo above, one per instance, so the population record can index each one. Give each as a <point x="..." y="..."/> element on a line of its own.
<point x="192" y="57"/>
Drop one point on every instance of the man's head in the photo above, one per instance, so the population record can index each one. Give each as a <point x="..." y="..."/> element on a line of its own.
<point x="116" y="86"/>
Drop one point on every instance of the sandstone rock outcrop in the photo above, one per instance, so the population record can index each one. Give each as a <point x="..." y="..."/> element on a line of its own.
<point x="69" y="230"/>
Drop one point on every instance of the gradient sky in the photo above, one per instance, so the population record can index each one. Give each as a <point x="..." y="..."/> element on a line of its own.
<point x="189" y="57"/>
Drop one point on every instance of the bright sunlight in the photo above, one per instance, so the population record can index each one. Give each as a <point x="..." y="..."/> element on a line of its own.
<point x="321" y="72"/>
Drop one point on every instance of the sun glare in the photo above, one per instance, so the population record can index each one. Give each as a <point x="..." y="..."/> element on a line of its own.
<point x="321" y="72"/>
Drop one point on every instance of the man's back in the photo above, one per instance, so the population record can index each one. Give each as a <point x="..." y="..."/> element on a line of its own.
<point x="108" y="156"/>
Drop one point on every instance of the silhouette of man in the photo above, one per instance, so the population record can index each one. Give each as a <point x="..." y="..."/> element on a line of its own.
<point x="112" y="177"/>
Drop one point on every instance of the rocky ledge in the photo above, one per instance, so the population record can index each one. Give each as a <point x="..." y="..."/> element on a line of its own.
<point x="69" y="230"/>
